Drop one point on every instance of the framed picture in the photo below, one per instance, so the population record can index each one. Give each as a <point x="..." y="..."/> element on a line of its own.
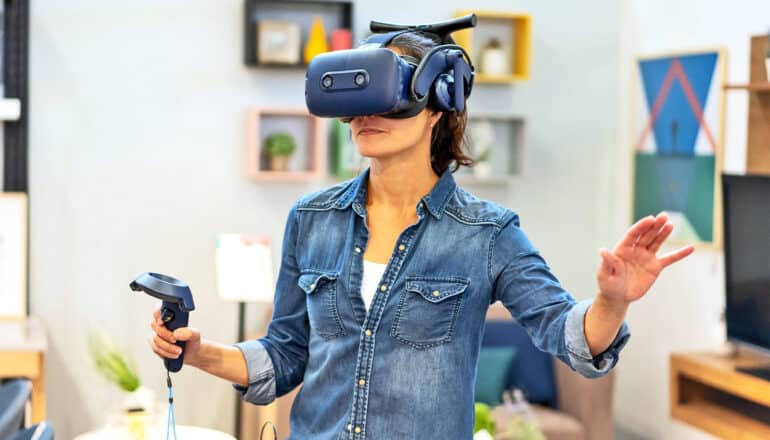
<point x="678" y="141"/>
<point x="13" y="255"/>
<point x="278" y="42"/>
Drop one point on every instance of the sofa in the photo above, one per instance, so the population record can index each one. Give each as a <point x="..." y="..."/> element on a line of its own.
<point x="566" y="405"/>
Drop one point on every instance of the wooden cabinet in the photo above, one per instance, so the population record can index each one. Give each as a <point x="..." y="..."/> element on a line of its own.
<point x="709" y="391"/>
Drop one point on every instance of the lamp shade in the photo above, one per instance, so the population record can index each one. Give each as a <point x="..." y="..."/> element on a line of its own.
<point x="244" y="266"/>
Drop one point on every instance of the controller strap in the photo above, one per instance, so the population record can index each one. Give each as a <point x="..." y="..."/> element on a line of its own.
<point x="171" y="422"/>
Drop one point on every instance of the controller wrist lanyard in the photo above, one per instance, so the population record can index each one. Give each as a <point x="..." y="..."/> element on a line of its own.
<point x="175" y="312"/>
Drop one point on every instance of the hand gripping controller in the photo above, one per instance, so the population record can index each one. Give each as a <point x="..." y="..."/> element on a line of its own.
<point x="177" y="303"/>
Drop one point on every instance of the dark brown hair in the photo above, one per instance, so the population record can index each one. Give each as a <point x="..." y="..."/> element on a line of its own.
<point x="448" y="135"/>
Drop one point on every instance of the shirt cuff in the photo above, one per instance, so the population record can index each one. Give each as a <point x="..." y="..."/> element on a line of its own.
<point x="261" y="389"/>
<point x="577" y="346"/>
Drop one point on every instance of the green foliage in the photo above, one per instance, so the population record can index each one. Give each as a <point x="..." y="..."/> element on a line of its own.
<point x="522" y="429"/>
<point x="483" y="419"/>
<point x="113" y="364"/>
<point x="484" y="155"/>
<point x="280" y="144"/>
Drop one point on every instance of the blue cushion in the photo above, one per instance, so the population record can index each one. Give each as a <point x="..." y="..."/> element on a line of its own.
<point x="492" y="373"/>
<point x="532" y="369"/>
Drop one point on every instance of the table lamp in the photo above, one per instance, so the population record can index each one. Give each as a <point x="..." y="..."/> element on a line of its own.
<point x="244" y="272"/>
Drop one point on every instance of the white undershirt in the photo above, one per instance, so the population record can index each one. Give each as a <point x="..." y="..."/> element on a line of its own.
<point x="372" y="275"/>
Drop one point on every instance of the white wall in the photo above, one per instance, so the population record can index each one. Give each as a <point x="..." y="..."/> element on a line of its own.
<point x="136" y="137"/>
<point x="683" y="311"/>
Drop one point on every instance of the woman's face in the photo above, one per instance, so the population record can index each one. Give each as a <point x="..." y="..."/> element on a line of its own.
<point x="377" y="136"/>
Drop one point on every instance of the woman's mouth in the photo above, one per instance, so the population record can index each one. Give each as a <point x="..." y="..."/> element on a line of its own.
<point x="370" y="131"/>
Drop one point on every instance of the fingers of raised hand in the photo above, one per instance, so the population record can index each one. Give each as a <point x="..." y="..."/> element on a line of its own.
<point x="655" y="228"/>
<point x="672" y="257"/>
<point x="663" y="234"/>
<point x="161" y="330"/>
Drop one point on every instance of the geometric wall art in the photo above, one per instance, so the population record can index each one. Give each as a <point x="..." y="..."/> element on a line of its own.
<point x="679" y="134"/>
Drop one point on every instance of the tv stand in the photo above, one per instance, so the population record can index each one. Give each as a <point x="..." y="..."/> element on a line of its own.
<point x="760" y="372"/>
<point x="722" y="394"/>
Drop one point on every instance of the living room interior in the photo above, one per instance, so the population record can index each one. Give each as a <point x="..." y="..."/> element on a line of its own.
<point x="173" y="137"/>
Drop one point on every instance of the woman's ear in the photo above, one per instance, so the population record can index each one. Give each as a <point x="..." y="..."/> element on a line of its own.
<point x="434" y="118"/>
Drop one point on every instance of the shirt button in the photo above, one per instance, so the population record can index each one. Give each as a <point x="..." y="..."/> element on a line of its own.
<point x="358" y="250"/>
<point x="361" y="382"/>
<point x="401" y="247"/>
<point x="422" y="204"/>
<point x="312" y="286"/>
<point x="436" y="293"/>
<point x="358" y="429"/>
<point x="368" y="332"/>
<point x="383" y="287"/>
<point x="350" y="427"/>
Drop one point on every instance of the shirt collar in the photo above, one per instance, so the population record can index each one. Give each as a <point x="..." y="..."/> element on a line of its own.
<point x="435" y="200"/>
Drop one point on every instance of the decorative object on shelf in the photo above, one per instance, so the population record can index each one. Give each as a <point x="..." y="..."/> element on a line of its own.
<point x="493" y="60"/>
<point x="278" y="41"/>
<point x="341" y="39"/>
<point x="316" y="42"/>
<point x="514" y="32"/>
<point x="279" y="147"/>
<point x="679" y="135"/>
<point x="482" y="136"/>
<point x="13" y="255"/>
<point x="346" y="162"/>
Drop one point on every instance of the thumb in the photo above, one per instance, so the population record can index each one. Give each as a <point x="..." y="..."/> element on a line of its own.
<point x="609" y="261"/>
<point x="187" y="334"/>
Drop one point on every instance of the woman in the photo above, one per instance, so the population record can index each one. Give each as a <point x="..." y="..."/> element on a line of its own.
<point x="385" y="282"/>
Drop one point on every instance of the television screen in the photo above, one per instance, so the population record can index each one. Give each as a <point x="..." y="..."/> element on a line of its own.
<point x="747" y="258"/>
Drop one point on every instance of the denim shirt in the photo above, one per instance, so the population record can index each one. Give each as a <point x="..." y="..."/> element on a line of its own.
<point x="406" y="368"/>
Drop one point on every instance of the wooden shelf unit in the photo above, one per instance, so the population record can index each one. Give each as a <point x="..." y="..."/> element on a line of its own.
<point x="310" y="135"/>
<point x="708" y="392"/>
<point x="758" y="134"/>
<point x="516" y="28"/>
<point x="335" y="15"/>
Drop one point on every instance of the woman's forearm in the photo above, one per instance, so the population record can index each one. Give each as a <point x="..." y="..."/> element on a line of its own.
<point x="224" y="361"/>
<point x="602" y="322"/>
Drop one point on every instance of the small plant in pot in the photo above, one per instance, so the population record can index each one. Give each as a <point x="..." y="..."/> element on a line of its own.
<point x="482" y="167"/>
<point x="279" y="147"/>
<point x="138" y="403"/>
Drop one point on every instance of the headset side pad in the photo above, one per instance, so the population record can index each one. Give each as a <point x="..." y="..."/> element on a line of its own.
<point x="463" y="82"/>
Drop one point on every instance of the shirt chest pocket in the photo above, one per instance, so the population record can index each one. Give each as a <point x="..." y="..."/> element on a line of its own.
<point x="321" y="290"/>
<point x="427" y="310"/>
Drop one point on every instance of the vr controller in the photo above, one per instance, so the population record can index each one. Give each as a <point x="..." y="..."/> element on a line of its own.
<point x="374" y="80"/>
<point x="177" y="303"/>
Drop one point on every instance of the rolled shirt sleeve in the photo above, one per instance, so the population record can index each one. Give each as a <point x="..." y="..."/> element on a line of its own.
<point x="578" y="351"/>
<point x="261" y="389"/>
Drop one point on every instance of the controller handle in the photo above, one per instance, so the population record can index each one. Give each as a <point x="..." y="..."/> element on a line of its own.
<point x="175" y="309"/>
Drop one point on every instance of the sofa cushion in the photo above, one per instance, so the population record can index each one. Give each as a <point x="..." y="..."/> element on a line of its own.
<point x="492" y="374"/>
<point x="532" y="369"/>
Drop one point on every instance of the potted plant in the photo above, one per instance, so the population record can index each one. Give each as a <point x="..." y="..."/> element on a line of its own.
<point x="117" y="368"/>
<point x="279" y="147"/>
<point x="482" y="167"/>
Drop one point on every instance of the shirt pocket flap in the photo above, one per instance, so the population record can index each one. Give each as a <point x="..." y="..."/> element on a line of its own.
<point x="436" y="290"/>
<point x="309" y="280"/>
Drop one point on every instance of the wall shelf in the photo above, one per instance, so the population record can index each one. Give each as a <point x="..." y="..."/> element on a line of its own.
<point x="515" y="32"/>
<point x="308" y="162"/>
<point x="335" y="15"/>
<point x="505" y="136"/>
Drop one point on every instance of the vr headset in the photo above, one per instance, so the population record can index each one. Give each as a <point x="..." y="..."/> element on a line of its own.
<point x="374" y="80"/>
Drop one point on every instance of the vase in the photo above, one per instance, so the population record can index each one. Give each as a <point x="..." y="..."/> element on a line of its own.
<point x="493" y="62"/>
<point x="316" y="42"/>
<point x="279" y="163"/>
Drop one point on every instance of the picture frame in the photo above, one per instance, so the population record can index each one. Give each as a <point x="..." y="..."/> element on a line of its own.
<point x="678" y="142"/>
<point x="278" y="42"/>
<point x="13" y="255"/>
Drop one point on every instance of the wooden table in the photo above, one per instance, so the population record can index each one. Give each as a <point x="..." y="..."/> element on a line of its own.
<point x="709" y="392"/>
<point x="22" y="354"/>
